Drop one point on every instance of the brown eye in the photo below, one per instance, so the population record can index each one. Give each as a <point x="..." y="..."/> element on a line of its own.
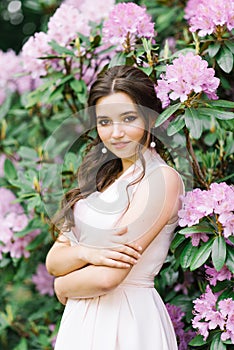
<point x="104" y="122"/>
<point x="130" y="118"/>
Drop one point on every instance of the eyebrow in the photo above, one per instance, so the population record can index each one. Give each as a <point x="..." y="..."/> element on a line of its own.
<point x="122" y="114"/>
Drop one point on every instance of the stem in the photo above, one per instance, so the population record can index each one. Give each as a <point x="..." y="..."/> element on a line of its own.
<point x="195" y="164"/>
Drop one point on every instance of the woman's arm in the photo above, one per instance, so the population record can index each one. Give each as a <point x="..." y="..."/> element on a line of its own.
<point x="151" y="213"/>
<point x="64" y="258"/>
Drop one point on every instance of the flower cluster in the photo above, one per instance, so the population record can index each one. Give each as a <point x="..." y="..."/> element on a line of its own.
<point x="95" y="13"/>
<point x="70" y="19"/>
<point x="12" y="78"/>
<point x="66" y="23"/>
<point x="126" y="23"/>
<point x="217" y="202"/>
<point x="13" y="220"/>
<point x="187" y="74"/>
<point x="209" y="315"/>
<point x="213" y="275"/>
<point x="176" y="315"/>
<point x="206" y="15"/>
<point x="43" y="281"/>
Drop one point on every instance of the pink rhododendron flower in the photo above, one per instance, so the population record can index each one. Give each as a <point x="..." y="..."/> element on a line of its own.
<point x="214" y="275"/>
<point x="37" y="46"/>
<point x="197" y="237"/>
<point x="176" y="315"/>
<point x="126" y="23"/>
<point x="197" y="204"/>
<point x="43" y="281"/>
<point x="13" y="220"/>
<point x="12" y="77"/>
<point x="66" y="23"/>
<point x="187" y="74"/>
<point x="209" y="316"/>
<point x="205" y="15"/>
<point x="93" y="13"/>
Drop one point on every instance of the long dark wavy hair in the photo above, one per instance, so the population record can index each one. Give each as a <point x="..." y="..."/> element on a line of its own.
<point x="98" y="170"/>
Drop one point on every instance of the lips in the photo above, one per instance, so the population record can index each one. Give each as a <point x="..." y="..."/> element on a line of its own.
<point x="120" y="145"/>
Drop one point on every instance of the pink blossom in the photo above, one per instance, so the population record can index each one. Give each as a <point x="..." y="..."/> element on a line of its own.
<point x="176" y="315"/>
<point x="222" y="196"/>
<point x="66" y="23"/>
<point x="43" y="281"/>
<point x="207" y="316"/>
<point x="226" y="306"/>
<point x="217" y="202"/>
<point x="205" y="15"/>
<point x="214" y="275"/>
<point x="194" y="207"/>
<point x="13" y="220"/>
<point x="187" y="74"/>
<point x="37" y="46"/>
<point x="12" y="77"/>
<point x="197" y="237"/>
<point x="216" y="319"/>
<point x="127" y="22"/>
<point x="93" y="13"/>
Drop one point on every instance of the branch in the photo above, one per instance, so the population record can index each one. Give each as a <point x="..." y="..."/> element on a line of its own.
<point x="195" y="164"/>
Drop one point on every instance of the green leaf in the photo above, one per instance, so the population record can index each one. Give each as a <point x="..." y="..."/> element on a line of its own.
<point x="225" y="59"/>
<point x="210" y="139"/>
<point x="217" y="113"/>
<point x="78" y="85"/>
<point x="193" y="122"/>
<point x="213" y="49"/>
<point x="22" y="345"/>
<point x="230" y="45"/>
<point x="36" y="242"/>
<point x="197" y="341"/>
<point x="202" y="255"/>
<point x="27" y="153"/>
<point x="5" y="106"/>
<point x="218" y="253"/>
<point x="217" y="343"/>
<point x="195" y="229"/>
<point x="147" y="70"/>
<point x="55" y="94"/>
<point x="221" y="103"/>
<point x="178" y="239"/>
<point x="60" y="49"/>
<point x="187" y="255"/>
<point x="167" y="114"/>
<point x="176" y="125"/>
<point x="9" y="170"/>
<point x="230" y="259"/>
<point x="118" y="60"/>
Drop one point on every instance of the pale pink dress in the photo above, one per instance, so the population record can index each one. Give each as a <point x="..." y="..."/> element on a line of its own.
<point x="132" y="316"/>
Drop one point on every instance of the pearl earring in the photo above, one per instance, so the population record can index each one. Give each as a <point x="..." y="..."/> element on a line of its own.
<point x="104" y="150"/>
<point x="152" y="144"/>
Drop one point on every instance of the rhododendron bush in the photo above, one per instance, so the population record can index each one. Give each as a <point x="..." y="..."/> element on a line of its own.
<point x="187" y="49"/>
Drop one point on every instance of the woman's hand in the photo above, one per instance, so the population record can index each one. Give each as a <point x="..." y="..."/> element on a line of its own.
<point x="123" y="255"/>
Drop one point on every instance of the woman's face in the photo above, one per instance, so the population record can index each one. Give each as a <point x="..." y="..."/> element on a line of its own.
<point x="119" y="124"/>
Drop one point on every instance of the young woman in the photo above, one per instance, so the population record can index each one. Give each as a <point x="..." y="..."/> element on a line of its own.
<point x="117" y="226"/>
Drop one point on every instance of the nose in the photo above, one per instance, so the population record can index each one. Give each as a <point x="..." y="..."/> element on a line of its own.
<point x="117" y="130"/>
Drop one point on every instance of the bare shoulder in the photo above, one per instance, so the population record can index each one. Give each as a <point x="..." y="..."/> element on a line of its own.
<point x="164" y="179"/>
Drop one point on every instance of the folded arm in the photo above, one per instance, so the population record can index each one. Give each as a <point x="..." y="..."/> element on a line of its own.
<point x="145" y="218"/>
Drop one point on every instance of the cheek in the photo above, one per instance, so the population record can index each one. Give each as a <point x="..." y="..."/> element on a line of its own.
<point x="104" y="133"/>
<point x="136" y="133"/>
